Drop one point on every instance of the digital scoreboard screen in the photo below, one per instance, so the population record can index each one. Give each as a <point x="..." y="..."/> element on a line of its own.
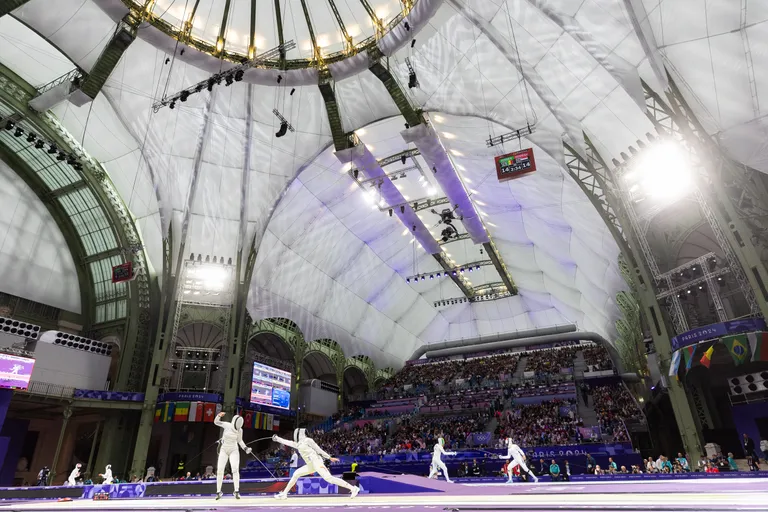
<point x="15" y="371"/>
<point x="514" y="165"/>
<point x="270" y="386"/>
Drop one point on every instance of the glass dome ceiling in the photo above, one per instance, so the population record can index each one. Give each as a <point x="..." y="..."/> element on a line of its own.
<point x="250" y="27"/>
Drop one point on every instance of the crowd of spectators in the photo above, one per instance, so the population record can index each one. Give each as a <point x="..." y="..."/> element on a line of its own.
<point x="349" y="440"/>
<point x="551" y="360"/>
<point x="597" y="359"/>
<point x="614" y="406"/>
<point x="546" y="424"/>
<point x="421" y="433"/>
<point x="473" y="371"/>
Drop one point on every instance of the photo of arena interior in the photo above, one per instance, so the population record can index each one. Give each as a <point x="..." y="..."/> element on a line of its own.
<point x="462" y="255"/>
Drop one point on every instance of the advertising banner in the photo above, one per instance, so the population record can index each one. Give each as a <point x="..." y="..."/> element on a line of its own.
<point x="712" y="331"/>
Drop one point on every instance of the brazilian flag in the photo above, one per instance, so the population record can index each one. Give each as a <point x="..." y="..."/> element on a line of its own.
<point x="738" y="347"/>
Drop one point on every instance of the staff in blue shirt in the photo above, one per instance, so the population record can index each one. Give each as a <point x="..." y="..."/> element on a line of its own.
<point x="554" y="470"/>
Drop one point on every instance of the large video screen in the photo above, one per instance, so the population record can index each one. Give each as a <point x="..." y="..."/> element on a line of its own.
<point x="270" y="386"/>
<point x="15" y="371"/>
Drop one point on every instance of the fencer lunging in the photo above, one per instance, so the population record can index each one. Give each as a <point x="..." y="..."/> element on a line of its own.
<point x="516" y="457"/>
<point x="231" y="438"/>
<point x="313" y="456"/>
<point x="437" y="460"/>
<point x="74" y="475"/>
<point x="107" y="476"/>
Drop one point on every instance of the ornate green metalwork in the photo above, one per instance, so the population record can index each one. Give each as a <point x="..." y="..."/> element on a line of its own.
<point x="630" y="341"/>
<point x="364" y="364"/>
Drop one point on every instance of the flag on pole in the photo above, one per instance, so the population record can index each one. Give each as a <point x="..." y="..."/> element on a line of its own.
<point x="276" y="425"/>
<point x="706" y="359"/>
<point x="688" y="355"/>
<point x="158" y="412"/>
<point x="270" y="420"/>
<point x="737" y="346"/>
<point x="257" y="420"/>
<point x="209" y="412"/>
<point x="195" y="411"/>
<point x="182" y="411"/>
<point x="674" y="365"/>
<point x="218" y="409"/>
<point x="758" y="343"/>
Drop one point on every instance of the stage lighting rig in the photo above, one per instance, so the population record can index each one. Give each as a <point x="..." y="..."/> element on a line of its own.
<point x="511" y="136"/>
<point x="230" y="75"/>
<point x="284" y="124"/>
<point x="455" y="271"/>
<point x="413" y="82"/>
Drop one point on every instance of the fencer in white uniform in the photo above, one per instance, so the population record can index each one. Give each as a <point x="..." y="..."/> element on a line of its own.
<point x="313" y="456"/>
<point x="516" y="457"/>
<point x="437" y="460"/>
<point x="73" y="476"/>
<point x="229" y="450"/>
<point x="107" y="476"/>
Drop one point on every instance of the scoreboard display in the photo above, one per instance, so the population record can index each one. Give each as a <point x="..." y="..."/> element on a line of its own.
<point x="515" y="164"/>
<point x="122" y="272"/>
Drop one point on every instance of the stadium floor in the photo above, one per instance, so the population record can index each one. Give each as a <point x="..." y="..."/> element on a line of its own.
<point x="689" y="495"/>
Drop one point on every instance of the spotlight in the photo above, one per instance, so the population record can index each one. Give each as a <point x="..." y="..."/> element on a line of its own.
<point x="402" y="209"/>
<point x="283" y="130"/>
<point x="422" y="278"/>
<point x="211" y="81"/>
<point x="167" y="60"/>
<point x="183" y="96"/>
<point x="61" y="156"/>
<point x="431" y="276"/>
<point x="407" y="26"/>
<point x="408" y="280"/>
<point x="293" y="91"/>
<point x="18" y="132"/>
<point x="229" y="80"/>
<point x="9" y="125"/>
<point x="31" y="137"/>
<point x="279" y="78"/>
<point x="434" y="169"/>
<point x="239" y="75"/>
<point x="172" y="105"/>
<point x="39" y="144"/>
<point x="390" y="212"/>
<point x="403" y="159"/>
<point x="78" y="166"/>
<point x="71" y="160"/>
<point x="413" y="43"/>
<point x="412" y="82"/>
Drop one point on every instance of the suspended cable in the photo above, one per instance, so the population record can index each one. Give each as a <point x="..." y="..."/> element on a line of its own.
<point x="520" y="66"/>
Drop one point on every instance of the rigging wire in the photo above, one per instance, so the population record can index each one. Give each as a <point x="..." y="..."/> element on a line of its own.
<point x="520" y="65"/>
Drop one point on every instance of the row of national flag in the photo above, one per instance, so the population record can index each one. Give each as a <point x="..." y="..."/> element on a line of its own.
<point x="207" y="412"/>
<point x="751" y="346"/>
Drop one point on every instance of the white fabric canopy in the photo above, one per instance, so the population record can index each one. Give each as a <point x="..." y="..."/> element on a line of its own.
<point x="328" y="258"/>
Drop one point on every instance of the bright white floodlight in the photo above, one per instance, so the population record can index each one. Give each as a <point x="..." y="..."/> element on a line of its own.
<point x="663" y="171"/>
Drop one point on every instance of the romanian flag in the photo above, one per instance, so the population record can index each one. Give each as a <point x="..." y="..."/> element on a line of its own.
<point x="195" y="411"/>
<point x="737" y="346"/>
<point x="688" y="355"/>
<point x="158" y="412"/>
<point x="182" y="411"/>
<point x="168" y="409"/>
<point x="706" y="359"/>
<point x="209" y="412"/>
<point x="758" y="343"/>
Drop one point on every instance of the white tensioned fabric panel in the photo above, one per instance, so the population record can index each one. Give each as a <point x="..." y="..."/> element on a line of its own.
<point x="35" y="262"/>
<point x="461" y="71"/>
<point x="716" y="52"/>
<point x="549" y="234"/>
<point x="20" y="47"/>
<point x="79" y="28"/>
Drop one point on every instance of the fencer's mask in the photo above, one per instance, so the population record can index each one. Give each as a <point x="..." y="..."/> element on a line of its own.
<point x="79" y="465"/>
<point x="299" y="435"/>
<point x="237" y="422"/>
<point x="109" y="466"/>
<point x="441" y="441"/>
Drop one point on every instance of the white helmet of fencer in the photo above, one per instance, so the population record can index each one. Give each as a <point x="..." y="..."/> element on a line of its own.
<point x="441" y="441"/>
<point x="299" y="435"/>
<point x="237" y="422"/>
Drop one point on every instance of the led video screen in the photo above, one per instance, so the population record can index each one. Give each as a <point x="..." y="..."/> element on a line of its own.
<point x="270" y="386"/>
<point x="15" y="371"/>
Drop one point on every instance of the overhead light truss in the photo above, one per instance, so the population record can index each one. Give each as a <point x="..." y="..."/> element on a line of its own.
<point x="234" y="74"/>
<point x="454" y="271"/>
<point x="511" y="136"/>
